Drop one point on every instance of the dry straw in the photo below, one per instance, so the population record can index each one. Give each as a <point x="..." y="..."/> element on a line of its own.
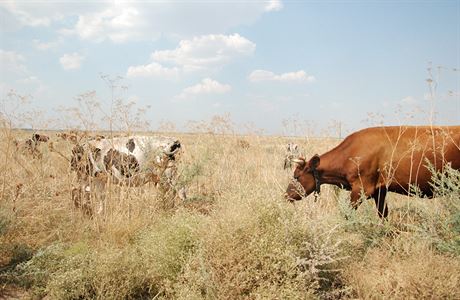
<point x="233" y="237"/>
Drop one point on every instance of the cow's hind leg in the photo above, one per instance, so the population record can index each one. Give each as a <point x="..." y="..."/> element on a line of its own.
<point x="98" y="185"/>
<point x="379" y="197"/>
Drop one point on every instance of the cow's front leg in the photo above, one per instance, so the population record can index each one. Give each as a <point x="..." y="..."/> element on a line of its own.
<point x="81" y="198"/>
<point x="359" y="192"/>
<point x="355" y="198"/>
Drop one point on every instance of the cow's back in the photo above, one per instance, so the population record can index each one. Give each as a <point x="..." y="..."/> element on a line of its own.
<point x="398" y="156"/>
<point x="401" y="155"/>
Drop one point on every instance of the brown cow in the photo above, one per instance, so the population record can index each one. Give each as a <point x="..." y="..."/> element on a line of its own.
<point x="243" y="144"/>
<point x="376" y="160"/>
<point x="31" y="145"/>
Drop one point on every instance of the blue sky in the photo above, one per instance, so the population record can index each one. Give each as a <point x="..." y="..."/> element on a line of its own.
<point x="264" y="62"/>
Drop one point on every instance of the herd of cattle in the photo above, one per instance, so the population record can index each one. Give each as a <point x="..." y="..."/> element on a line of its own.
<point x="369" y="163"/>
<point x="128" y="161"/>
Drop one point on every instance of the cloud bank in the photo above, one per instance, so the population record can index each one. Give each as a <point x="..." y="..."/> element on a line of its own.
<point x="123" y="21"/>
<point x="263" y="75"/>
<point x="204" y="52"/>
<point x="71" y="61"/>
<point x="205" y="87"/>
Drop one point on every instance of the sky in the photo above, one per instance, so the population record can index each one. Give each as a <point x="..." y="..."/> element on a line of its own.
<point x="279" y="66"/>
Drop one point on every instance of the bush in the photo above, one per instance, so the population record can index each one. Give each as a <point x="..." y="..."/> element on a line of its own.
<point x="266" y="250"/>
<point x="445" y="228"/>
<point x="142" y="270"/>
<point x="412" y="272"/>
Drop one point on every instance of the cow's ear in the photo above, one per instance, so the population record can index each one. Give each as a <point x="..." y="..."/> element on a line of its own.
<point x="314" y="162"/>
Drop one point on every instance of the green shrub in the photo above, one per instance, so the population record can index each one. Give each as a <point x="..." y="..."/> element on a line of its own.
<point x="4" y="222"/>
<point x="445" y="228"/>
<point x="142" y="270"/>
<point x="264" y="250"/>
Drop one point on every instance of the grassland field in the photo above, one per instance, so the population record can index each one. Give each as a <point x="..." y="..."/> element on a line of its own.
<point x="234" y="237"/>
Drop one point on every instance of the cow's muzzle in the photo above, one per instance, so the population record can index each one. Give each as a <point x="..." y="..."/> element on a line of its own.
<point x="173" y="150"/>
<point x="294" y="192"/>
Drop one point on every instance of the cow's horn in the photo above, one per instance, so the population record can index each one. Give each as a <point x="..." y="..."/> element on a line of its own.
<point x="298" y="160"/>
<point x="171" y="152"/>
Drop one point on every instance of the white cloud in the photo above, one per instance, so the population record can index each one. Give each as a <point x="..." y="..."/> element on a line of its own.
<point x="12" y="62"/>
<point x="14" y="75"/>
<point x="118" y="24"/>
<point x="123" y="21"/>
<point x="274" y="5"/>
<point x="206" y="86"/>
<point x="45" y="45"/>
<point x="206" y="51"/>
<point x="199" y="53"/>
<point x="152" y="70"/>
<point x="71" y="61"/>
<point x="263" y="75"/>
<point x="24" y="16"/>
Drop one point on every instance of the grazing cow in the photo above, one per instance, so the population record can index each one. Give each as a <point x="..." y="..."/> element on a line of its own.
<point x="133" y="161"/>
<point x="378" y="160"/>
<point x="31" y="146"/>
<point x="292" y="151"/>
<point x="75" y="137"/>
<point x="243" y="144"/>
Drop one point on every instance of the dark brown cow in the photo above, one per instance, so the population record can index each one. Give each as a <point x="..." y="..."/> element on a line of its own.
<point x="376" y="160"/>
<point x="31" y="146"/>
<point x="243" y="144"/>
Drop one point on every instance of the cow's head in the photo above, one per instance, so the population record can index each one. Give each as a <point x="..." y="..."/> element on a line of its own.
<point x="82" y="159"/>
<point x="306" y="179"/>
<point x="292" y="148"/>
<point x="171" y="149"/>
<point x="37" y="138"/>
<point x="77" y="157"/>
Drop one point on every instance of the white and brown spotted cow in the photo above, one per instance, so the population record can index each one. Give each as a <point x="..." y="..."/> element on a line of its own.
<point x="131" y="161"/>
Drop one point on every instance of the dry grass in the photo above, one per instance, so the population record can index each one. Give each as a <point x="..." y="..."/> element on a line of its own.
<point x="233" y="238"/>
<point x="405" y="269"/>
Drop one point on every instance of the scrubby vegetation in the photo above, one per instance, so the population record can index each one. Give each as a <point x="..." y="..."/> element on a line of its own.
<point x="234" y="237"/>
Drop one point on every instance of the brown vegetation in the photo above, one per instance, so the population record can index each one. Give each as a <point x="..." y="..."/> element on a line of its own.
<point x="234" y="237"/>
